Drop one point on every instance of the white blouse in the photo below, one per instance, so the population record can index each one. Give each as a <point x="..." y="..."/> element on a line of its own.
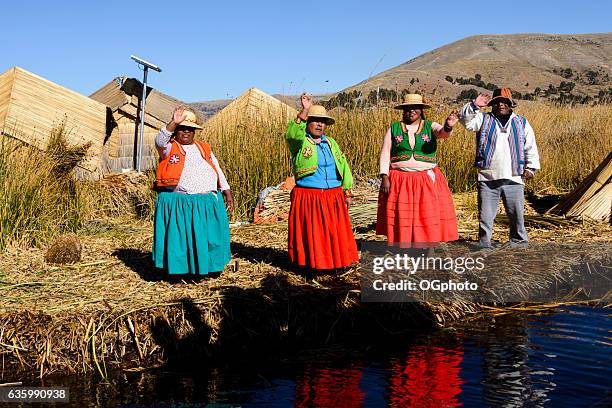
<point x="198" y="176"/>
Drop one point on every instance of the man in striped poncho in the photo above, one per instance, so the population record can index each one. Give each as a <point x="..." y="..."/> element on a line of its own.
<point x="506" y="156"/>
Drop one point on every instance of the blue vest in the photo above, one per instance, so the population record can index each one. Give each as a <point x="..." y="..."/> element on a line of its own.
<point x="487" y="137"/>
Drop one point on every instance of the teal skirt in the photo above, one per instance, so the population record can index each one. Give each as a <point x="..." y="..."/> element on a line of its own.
<point x="191" y="233"/>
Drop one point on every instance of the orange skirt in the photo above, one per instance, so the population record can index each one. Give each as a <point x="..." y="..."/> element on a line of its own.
<point x="320" y="231"/>
<point x="417" y="209"/>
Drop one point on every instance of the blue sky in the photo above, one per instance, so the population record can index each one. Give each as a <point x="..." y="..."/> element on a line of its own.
<point x="209" y="50"/>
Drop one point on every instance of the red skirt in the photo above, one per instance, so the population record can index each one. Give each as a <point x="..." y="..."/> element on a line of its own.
<point x="320" y="231"/>
<point x="417" y="209"/>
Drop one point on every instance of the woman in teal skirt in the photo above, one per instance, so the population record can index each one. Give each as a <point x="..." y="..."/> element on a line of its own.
<point x="191" y="233"/>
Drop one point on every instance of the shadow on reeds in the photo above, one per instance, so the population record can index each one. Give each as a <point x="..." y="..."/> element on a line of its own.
<point x="279" y="259"/>
<point x="362" y="229"/>
<point x="542" y="203"/>
<point x="272" y="256"/>
<point x="183" y="352"/>
<point x="141" y="262"/>
<point x="275" y="317"/>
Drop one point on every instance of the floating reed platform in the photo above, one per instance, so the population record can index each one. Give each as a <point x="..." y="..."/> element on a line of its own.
<point x="115" y="310"/>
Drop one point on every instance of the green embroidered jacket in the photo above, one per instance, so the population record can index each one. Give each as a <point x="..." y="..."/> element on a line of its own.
<point x="304" y="157"/>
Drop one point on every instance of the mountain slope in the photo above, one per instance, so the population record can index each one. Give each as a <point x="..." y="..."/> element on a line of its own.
<point x="523" y="62"/>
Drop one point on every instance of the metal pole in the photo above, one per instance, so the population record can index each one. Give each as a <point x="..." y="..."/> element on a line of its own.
<point x="143" y="101"/>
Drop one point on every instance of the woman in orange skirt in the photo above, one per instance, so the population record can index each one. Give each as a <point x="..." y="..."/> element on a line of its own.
<point x="415" y="204"/>
<point x="320" y="231"/>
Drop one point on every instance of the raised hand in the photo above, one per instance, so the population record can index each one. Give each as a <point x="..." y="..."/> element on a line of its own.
<point x="306" y="101"/>
<point x="452" y="119"/>
<point x="179" y="114"/>
<point x="482" y="100"/>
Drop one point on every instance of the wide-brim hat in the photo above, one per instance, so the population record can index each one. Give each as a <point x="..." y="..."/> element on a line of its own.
<point x="318" y="111"/>
<point x="502" y="93"/>
<point x="412" y="100"/>
<point x="191" y="120"/>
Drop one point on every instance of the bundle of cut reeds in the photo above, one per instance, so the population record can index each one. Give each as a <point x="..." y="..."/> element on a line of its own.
<point x="592" y="197"/>
<point x="127" y="193"/>
<point x="275" y="206"/>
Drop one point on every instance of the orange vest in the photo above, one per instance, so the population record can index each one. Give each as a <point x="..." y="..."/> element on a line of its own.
<point x="170" y="169"/>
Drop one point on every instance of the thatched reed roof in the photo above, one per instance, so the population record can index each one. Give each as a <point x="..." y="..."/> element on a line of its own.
<point x="593" y="197"/>
<point x="123" y="94"/>
<point x="31" y="107"/>
<point x="253" y="106"/>
<point x="122" y="97"/>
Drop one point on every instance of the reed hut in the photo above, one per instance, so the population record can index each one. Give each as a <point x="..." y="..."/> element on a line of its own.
<point x="31" y="107"/>
<point x="253" y="106"/>
<point x="122" y="96"/>
<point x="593" y="197"/>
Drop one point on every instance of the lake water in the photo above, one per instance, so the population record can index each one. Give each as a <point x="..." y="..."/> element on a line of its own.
<point x="560" y="359"/>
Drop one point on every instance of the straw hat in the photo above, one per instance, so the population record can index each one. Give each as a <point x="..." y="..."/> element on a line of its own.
<point x="190" y="120"/>
<point x="318" y="111"/>
<point x="502" y="93"/>
<point x="411" y="100"/>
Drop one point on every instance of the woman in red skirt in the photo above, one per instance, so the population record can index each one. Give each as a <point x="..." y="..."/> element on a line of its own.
<point x="320" y="231"/>
<point x="415" y="204"/>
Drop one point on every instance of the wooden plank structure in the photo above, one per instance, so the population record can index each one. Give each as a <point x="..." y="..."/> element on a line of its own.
<point x="253" y="106"/>
<point x="593" y="197"/>
<point x="31" y="107"/>
<point x="122" y="96"/>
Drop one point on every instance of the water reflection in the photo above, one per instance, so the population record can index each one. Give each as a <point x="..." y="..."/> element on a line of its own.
<point x="509" y="361"/>
<point x="329" y="387"/>
<point x="510" y="378"/>
<point x="427" y="377"/>
<point x="562" y="359"/>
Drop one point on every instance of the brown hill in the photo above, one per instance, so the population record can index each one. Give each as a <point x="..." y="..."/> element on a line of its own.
<point x="210" y="108"/>
<point x="522" y="61"/>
